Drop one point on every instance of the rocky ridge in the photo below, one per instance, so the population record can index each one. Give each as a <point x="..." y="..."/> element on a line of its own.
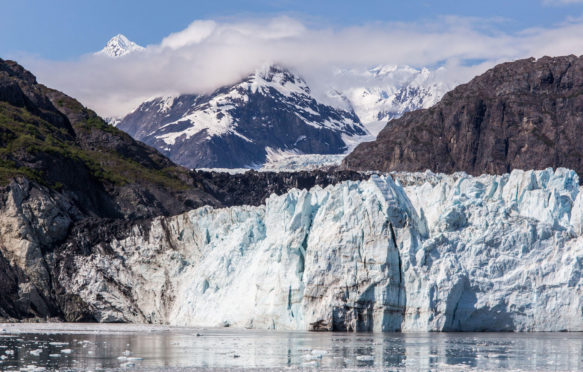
<point x="519" y="115"/>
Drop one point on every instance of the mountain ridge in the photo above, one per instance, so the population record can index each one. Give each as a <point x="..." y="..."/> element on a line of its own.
<point x="518" y="115"/>
<point x="105" y="167"/>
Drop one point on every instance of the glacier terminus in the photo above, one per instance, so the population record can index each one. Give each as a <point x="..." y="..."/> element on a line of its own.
<point x="398" y="252"/>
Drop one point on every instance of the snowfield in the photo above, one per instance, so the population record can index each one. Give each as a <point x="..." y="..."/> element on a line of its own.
<point x="409" y="252"/>
<point x="381" y="93"/>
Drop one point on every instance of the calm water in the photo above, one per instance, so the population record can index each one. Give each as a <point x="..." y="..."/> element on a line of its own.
<point x="97" y="347"/>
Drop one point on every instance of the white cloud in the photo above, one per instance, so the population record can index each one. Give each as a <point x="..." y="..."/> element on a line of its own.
<point x="193" y="34"/>
<point x="209" y="54"/>
<point x="562" y="2"/>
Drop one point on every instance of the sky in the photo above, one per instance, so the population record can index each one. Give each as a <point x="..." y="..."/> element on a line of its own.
<point x="66" y="29"/>
<point x="197" y="46"/>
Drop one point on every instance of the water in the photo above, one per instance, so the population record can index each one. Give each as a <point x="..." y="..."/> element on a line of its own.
<point x="134" y="347"/>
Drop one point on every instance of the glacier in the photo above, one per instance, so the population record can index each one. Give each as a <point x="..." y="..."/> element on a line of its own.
<point x="381" y="93"/>
<point x="399" y="252"/>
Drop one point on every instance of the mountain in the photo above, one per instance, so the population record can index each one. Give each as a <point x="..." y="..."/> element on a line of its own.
<point x="119" y="46"/>
<point x="354" y="98"/>
<point x="518" y="115"/>
<point x="66" y="174"/>
<point x="423" y="252"/>
<point x="381" y="93"/>
<point x="271" y="110"/>
<point x="55" y="142"/>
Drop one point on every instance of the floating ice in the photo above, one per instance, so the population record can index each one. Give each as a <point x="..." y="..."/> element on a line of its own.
<point x="36" y="352"/>
<point x="58" y="343"/>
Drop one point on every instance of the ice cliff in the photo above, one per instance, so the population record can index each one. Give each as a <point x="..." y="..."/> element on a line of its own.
<point x="409" y="252"/>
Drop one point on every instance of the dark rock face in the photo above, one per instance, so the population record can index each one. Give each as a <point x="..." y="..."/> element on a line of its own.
<point x="52" y="139"/>
<point x="234" y="126"/>
<point x="526" y="114"/>
<point x="252" y="188"/>
<point x="60" y="164"/>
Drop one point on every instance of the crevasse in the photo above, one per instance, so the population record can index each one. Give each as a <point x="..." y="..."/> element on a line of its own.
<point x="409" y="252"/>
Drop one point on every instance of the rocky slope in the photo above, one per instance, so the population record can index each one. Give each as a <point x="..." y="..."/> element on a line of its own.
<point x="426" y="252"/>
<point x="60" y="164"/>
<point x="237" y="126"/>
<point x="518" y="115"/>
<point x="53" y="141"/>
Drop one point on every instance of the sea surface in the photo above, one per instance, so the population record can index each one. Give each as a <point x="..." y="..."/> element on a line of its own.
<point x="94" y="347"/>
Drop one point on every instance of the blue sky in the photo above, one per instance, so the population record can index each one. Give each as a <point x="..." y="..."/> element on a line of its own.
<point x="198" y="46"/>
<point x="66" y="29"/>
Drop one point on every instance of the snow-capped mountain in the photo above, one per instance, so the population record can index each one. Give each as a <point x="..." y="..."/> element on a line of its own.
<point x="119" y="46"/>
<point x="382" y="93"/>
<point x="270" y="111"/>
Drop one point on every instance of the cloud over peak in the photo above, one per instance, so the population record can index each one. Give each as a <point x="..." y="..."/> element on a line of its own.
<point x="562" y="2"/>
<point x="209" y="54"/>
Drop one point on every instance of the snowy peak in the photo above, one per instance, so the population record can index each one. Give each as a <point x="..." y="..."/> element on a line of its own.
<point x="381" y="93"/>
<point x="272" y="109"/>
<point x="278" y="78"/>
<point x="119" y="46"/>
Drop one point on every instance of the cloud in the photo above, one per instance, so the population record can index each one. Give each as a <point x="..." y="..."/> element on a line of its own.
<point x="562" y="2"/>
<point x="209" y="54"/>
<point x="193" y="34"/>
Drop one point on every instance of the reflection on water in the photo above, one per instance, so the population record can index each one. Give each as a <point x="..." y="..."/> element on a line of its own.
<point x="94" y="347"/>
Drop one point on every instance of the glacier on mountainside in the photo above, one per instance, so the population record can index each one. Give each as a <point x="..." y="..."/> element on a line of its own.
<point x="407" y="251"/>
<point x="384" y="92"/>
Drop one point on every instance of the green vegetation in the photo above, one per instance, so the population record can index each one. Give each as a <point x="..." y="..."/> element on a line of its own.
<point x="26" y="141"/>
